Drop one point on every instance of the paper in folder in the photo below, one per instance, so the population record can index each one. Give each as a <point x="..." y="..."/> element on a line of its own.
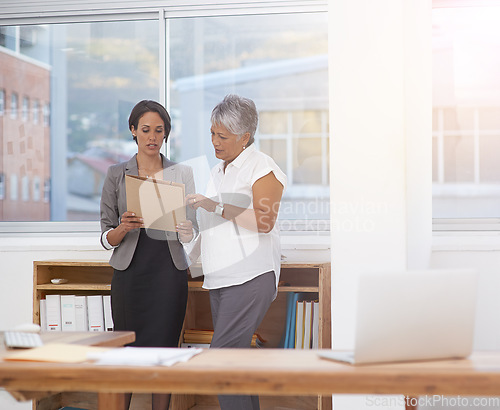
<point x="160" y="203"/>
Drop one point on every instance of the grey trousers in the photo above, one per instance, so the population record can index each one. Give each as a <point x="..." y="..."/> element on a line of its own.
<point x="236" y="314"/>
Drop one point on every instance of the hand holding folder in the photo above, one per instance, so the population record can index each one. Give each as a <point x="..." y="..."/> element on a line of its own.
<point x="160" y="203"/>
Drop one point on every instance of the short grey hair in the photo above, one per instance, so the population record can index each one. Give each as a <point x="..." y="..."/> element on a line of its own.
<point x="237" y="114"/>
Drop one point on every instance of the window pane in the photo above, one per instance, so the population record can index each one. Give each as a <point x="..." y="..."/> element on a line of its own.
<point x="458" y="159"/>
<point x="77" y="88"/>
<point x="280" y="62"/>
<point x="489" y="152"/>
<point x="466" y="112"/>
<point x="434" y="159"/>
<point x="276" y="149"/>
<point x="273" y="122"/>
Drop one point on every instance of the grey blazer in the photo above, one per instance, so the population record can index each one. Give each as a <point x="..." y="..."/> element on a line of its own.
<point x="114" y="204"/>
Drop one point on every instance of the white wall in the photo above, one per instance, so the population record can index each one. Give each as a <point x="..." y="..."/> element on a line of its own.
<point x="17" y="254"/>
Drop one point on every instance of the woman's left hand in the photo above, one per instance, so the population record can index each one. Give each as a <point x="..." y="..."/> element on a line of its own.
<point x="196" y="201"/>
<point x="185" y="231"/>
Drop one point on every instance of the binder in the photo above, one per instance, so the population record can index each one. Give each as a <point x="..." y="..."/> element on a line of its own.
<point x="43" y="315"/>
<point x="292" y="320"/>
<point x="307" y="324"/>
<point x="95" y="313"/>
<point x="53" y="308"/>
<point x="159" y="203"/>
<point x="81" y="318"/>
<point x="285" y="337"/>
<point x="315" y="325"/>
<point x="299" y="325"/>
<point x="108" y="318"/>
<point x="68" y="313"/>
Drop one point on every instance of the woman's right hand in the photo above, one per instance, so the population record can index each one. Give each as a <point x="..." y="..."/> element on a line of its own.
<point x="130" y="221"/>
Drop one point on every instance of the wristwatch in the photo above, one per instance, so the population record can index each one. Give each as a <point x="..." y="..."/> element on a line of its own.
<point x="219" y="209"/>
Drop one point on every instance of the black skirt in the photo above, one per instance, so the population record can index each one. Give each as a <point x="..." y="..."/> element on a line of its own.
<point x="150" y="296"/>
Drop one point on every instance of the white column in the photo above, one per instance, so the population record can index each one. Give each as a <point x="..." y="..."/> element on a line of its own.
<point x="380" y="124"/>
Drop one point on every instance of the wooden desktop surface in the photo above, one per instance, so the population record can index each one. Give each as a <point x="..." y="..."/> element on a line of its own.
<point x="261" y="371"/>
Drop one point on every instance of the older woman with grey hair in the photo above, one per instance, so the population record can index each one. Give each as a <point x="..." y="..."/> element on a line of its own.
<point x="240" y="248"/>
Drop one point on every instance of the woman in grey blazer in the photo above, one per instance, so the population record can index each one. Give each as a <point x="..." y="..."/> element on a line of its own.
<point x="149" y="285"/>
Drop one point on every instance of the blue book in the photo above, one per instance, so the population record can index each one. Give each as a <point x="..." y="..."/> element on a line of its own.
<point x="291" y="336"/>
<point x="286" y="332"/>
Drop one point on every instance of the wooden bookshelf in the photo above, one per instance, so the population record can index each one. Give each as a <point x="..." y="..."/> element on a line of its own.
<point x="86" y="277"/>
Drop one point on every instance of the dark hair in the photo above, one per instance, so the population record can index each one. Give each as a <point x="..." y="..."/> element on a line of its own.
<point x="238" y="114"/>
<point x="144" y="106"/>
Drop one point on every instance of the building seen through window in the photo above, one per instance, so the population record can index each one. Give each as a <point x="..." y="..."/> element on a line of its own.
<point x="67" y="91"/>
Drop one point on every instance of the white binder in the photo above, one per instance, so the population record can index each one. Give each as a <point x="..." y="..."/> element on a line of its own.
<point x="81" y="317"/>
<point x="108" y="318"/>
<point x="68" y="313"/>
<point x="95" y="313"/>
<point x="53" y="307"/>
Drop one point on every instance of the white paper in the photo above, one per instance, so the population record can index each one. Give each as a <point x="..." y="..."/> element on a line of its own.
<point x="144" y="356"/>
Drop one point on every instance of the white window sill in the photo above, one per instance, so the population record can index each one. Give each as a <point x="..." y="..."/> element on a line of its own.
<point x="482" y="241"/>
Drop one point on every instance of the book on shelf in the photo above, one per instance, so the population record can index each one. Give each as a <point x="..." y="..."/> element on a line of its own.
<point x="301" y="328"/>
<point x="299" y="325"/>
<point x="196" y="345"/>
<point x="291" y="320"/>
<point x="306" y="344"/>
<point x="315" y="325"/>
<point x="204" y="337"/>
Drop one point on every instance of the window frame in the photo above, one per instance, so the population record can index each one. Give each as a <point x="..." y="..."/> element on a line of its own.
<point x="26" y="12"/>
<point x="480" y="225"/>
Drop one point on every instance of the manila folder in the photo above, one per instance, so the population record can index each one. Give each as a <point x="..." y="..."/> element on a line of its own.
<point x="160" y="203"/>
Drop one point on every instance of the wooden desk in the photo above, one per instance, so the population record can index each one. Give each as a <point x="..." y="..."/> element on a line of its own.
<point x="263" y="372"/>
<point x="104" y="339"/>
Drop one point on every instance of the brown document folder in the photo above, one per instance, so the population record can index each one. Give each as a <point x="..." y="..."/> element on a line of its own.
<point x="160" y="203"/>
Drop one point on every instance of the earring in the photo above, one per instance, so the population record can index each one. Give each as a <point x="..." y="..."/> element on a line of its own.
<point x="244" y="146"/>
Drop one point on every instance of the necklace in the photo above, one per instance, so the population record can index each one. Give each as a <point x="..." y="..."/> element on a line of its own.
<point x="148" y="173"/>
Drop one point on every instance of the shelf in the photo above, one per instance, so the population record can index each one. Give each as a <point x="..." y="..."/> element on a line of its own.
<point x="94" y="277"/>
<point x="75" y="286"/>
<point x="197" y="287"/>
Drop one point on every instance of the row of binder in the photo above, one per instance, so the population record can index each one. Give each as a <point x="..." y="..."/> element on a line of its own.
<point x="75" y="313"/>
<point x="302" y="323"/>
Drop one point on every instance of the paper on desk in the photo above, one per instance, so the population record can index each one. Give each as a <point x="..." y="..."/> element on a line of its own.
<point x="56" y="352"/>
<point x="144" y="356"/>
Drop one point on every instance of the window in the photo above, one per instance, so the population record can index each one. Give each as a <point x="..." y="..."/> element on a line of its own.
<point x="82" y="99"/>
<point x="2" y="102"/>
<point x="25" y="188"/>
<point x="281" y="62"/>
<point x="13" y="187"/>
<point x="466" y="112"/>
<point x="46" y="115"/>
<point x="26" y="109"/>
<point x="36" y="111"/>
<point x="2" y="186"/>
<point x="13" y="106"/>
<point x="36" y="189"/>
<point x="80" y="80"/>
<point x="46" y="191"/>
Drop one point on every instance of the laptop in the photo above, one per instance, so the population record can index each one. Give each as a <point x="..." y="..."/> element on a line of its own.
<point x="419" y="315"/>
